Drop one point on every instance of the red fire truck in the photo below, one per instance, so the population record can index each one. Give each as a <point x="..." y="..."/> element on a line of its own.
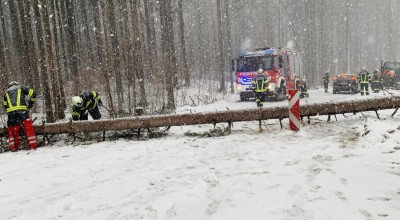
<point x="282" y="66"/>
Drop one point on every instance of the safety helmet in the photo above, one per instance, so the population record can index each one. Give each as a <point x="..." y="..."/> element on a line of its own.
<point x="13" y="83"/>
<point x="364" y="68"/>
<point x="260" y="71"/>
<point x="77" y="101"/>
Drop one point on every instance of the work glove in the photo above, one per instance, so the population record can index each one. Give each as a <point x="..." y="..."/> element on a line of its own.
<point x="100" y="102"/>
<point x="30" y="105"/>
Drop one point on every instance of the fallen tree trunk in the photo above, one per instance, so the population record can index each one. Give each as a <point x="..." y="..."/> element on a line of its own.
<point x="217" y="117"/>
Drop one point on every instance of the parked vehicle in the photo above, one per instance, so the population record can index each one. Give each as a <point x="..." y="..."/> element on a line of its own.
<point x="283" y="67"/>
<point x="390" y="74"/>
<point x="345" y="83"/>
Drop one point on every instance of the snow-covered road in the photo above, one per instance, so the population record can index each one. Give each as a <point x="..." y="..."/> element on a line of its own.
<point x="316" y="96"/>
<point x="345" y="169"/>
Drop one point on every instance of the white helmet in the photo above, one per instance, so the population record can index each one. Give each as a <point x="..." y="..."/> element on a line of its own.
<point x="260" y="71"/>
<point x="77" y="101"/>
<point x="364" y="67"/>
<point x="13" y="83"/>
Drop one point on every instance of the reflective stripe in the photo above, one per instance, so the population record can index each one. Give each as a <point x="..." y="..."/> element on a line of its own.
<point x="88" y="104"/>
<point x="19" y="97"/>
<point x="32" y="142"/>
<point x="33" y="99"/>
<point x="95" y="95"/>
<point x="17" y="108"/>
<point x="30" y="92"/>
<point x="8" y="100"/>
<point x="31" y="138"/>
<point x="18" y="105"/>
<point x="11" y="139"/>
<point x="75" y="113"/>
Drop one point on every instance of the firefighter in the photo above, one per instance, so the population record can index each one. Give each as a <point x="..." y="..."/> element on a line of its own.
<point x="86" y="102"/>
<point x="376" y="83"/>
<point x="364" y="78"/>
<point x="326" y="81"/>
<point x="17" y="106"/>
<point x="303" y="89"/>
<point x="260" y="87"/>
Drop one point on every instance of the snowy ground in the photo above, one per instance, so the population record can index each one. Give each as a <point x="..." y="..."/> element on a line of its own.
<point x="345" y="169"/>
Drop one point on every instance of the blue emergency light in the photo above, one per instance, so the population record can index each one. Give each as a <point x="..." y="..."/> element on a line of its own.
<point x="256" y="53"/>
<point x="244" y="79"/>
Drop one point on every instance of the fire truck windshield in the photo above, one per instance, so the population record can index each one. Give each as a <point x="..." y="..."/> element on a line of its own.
<point x="252" y="64"/>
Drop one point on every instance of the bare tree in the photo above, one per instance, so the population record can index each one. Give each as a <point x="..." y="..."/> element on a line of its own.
<point x="182" y="44"/>
<point x="107" y="53"/>
<point x="168" y="52"/>
<point x="43" y="34"/>
<point x="221" y="54"/>
<point x="138" y="54"/>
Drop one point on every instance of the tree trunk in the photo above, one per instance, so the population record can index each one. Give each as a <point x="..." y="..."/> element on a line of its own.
<point x="71" y="38"/>
<point x="167" y="51"/>
<point x="221" y="54"/>
<point x="107" y="59"/>
<point x="138" y="54"/>
<point x="26" y="29"/>
<point x="218" y="117"/>
<point x="151" y="37"/>
<point x="3" y="68"/>
<point x="114" y="29"/>
<point x="40" y="14"/>
<point x="57" y="82"/>
<point x="182" y="42"/>
<point x="229" y="38"/>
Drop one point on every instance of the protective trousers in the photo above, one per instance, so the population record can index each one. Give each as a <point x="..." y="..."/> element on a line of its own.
<point x="364" y="88"/>
<point x="13" y="135"/>
<point x="260" y="99"/>
<point x="326" y="86"/>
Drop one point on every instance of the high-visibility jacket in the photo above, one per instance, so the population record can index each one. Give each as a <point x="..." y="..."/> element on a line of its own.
<point x="376" y="78"/>
<point x="90" y="101"/>
<point x="15" y="103"/>
<point x="15" y="98"/>
<point x="364" y="77"/>
<point x="260" y="83"/>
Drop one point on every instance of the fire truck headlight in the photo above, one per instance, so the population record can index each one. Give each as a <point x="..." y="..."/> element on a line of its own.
<point x="239" y="87"/>
<point x="269" y="86"/>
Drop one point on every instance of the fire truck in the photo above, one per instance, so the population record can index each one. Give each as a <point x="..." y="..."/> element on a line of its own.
<point x="282" y="66"/>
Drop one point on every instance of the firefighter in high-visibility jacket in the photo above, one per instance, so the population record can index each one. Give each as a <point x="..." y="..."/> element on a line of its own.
<point x="376" y="83"/>
<point x="326" y="81"/>
<point x="86" y="102"/>
<point x="17" y="106"/>
<point x="303" y="88"/>
<point x="364" y="78"/>
<point x="260" y="87"/>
